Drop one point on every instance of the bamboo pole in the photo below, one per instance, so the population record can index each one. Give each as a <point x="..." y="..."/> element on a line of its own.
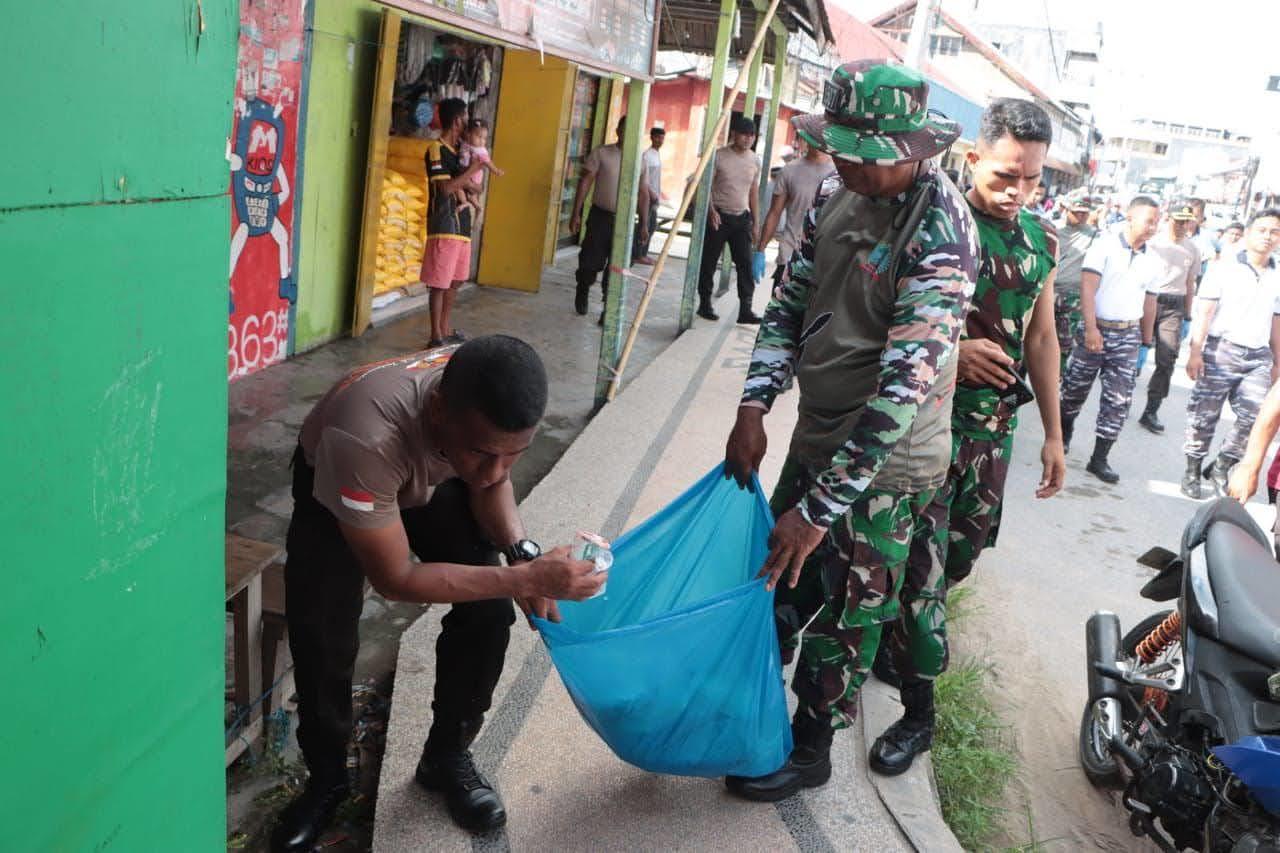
<point x="762" y="28"/>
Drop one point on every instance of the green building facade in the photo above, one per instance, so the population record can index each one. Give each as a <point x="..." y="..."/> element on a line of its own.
<point x="113" y="242"/>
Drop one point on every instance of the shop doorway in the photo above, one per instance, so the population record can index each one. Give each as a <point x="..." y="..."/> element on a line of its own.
<point x="427" y="67"/>
<point x="527" y="101"/>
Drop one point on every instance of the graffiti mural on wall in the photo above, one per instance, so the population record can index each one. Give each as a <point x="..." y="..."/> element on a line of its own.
<point x="262" y="154"/>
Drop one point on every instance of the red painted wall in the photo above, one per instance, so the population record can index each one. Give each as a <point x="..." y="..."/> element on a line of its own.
<point x="263" y="159"/>
<point x="680" y="106"/>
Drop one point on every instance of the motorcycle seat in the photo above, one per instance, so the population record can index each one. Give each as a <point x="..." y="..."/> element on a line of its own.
<point x="1245" y="578"/>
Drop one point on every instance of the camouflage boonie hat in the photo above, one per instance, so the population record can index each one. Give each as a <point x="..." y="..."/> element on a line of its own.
<point x="877" y="112"/>
<point x="1080" y="200"/>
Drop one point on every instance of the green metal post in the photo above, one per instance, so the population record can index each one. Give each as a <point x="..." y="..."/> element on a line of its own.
<point x="771" y="120"/>
<point x="749" y="94"/>
<point x="749" y="110"/>
<point x="623" y="230"/>
<point x="699" y="225"/>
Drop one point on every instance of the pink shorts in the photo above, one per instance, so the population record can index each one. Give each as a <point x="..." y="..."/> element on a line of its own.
<point x="445" y="261"/>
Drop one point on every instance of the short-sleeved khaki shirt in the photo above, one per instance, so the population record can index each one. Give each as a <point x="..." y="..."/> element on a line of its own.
<point x="369" y="442"/>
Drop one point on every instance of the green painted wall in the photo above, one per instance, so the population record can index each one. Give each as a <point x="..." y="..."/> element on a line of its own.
<point x="343" y="59"/>
<point x="113" y="376"/>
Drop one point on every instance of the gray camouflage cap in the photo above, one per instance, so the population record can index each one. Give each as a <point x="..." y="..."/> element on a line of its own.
<point x="877" y="112"/>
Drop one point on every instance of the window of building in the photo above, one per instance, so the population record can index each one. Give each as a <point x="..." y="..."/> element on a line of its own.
<point x="944" y="45"/>
<point x="1273" y="84"/>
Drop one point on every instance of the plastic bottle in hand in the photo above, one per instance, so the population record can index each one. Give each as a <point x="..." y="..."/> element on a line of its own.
<point x="595" y="549"/>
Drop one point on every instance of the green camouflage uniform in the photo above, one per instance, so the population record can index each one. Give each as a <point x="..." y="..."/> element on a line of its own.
<point x="850" y="583"/>
<point x="1017" y="258"/>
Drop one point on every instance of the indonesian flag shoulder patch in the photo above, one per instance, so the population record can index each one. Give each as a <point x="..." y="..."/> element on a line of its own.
<point x="356" y="499"/>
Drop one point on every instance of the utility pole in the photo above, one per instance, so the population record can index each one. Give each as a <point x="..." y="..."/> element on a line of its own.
<point x="1088" y="155"/>
<point x="1246" y="202"/>
<point x="921" y="28"/>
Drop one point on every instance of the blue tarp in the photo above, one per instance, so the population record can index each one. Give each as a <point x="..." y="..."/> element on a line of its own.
<point x="677" y="666"/>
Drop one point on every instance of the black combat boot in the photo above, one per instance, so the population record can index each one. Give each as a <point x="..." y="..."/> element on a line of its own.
<point x="1149" y="420"/>
<point x="893" y="752"/>
<point x="1098" y="466"/>
<point x="705" y="311"/>
<point x="883" y="667"/>
<point x="580" y="297"/>
<point x="446" y="766"/>
<point x="1191" y="479"/>
<point x="808" y="766"/>
<point x="1220" y="471"/>
<point x="305" y="819"/>
<point x="746" y="316"/>
<point x="1068" y="426"/>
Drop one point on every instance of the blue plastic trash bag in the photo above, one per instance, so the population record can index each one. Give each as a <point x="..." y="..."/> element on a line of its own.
<point x="677" y="666"/>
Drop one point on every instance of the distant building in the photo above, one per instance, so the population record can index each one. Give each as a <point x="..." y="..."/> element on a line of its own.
<point x="1191" y="159"/>
<point x="975" y="64"/>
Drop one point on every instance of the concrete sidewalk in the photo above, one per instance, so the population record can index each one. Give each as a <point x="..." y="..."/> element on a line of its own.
<point x="563" y="788"/>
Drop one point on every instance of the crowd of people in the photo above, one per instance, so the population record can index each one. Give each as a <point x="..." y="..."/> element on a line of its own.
<point x="894" y="483"/>
<point x="917" y="320"/>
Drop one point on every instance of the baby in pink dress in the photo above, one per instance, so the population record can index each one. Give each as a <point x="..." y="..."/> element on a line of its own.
<point x="475" y="143"/>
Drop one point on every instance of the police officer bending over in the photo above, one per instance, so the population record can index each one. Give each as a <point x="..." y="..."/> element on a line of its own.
<point x="412" y="456"/>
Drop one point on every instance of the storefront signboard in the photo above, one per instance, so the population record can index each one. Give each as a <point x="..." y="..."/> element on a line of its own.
<point x="611" y="35"/>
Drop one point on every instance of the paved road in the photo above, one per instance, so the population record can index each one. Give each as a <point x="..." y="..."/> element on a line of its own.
<point x="1059" y="560"/>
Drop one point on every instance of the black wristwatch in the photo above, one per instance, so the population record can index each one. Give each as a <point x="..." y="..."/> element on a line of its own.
<point x="522" y="551"/>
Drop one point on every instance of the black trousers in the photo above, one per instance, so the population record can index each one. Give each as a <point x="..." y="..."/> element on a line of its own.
<point x="1170" y="312"/>
<point x="735" y="229"/>
<point x="597" y="245"/>
<point x="324" y="594"/>
<point x="640" y="248"/>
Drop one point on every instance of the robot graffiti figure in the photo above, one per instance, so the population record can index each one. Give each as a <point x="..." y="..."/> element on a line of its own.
<point x="255" y="169"/>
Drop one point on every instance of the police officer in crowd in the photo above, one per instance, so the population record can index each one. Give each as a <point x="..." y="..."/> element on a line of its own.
<point x="1177" y="260"/>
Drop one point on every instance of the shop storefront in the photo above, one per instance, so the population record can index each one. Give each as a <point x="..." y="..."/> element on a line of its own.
<point x="431" y="65"/>
<point x="543" y="112"/>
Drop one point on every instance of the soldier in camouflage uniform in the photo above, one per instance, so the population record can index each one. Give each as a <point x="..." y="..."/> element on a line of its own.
<point x="1235" y="348"/>
<point x="1009" y="330"/>
<point x="1074" y="239"/>
<point x="1118" y="302"/>
<point x="866" y="323"/>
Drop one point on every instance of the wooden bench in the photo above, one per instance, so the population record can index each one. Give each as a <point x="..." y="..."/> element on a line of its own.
<point x="255" y="597"/>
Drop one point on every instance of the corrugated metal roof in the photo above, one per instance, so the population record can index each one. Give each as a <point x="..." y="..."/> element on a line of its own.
<point x="691" y="25"/>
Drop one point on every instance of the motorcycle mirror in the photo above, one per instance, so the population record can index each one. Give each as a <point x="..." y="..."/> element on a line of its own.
<point x="1158" y="558"/>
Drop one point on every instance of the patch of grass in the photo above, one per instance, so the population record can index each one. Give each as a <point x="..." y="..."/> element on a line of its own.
<point x="972" y="761"/>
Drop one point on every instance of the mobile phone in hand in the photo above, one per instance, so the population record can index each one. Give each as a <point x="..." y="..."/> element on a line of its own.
<point x="1018" y="393"/>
